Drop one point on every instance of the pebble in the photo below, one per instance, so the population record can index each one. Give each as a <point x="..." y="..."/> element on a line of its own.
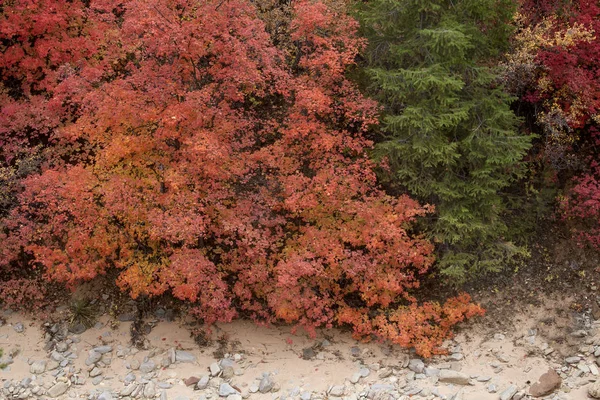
<point x="147" y="366"/>
<point x="95" y="372"/>
<point x="508" y="393"/>
<point x="572" y="360"/>
<point x="103" y="349"/>
<point x="150" y="390"/>
<point x="58" y="389"/>
<point x="266" y="384"/>
<point x="416" y="365"/>
<point x="184" y="356"/>
<point x="225" y="389"/>
<point x="93" y="357"/>
<point x="19" y="328"/>
<point x="214" y="369"/>
<point x="455" y="377"/>
<point x="202" y="383"/>
<point x="38" y="367"/>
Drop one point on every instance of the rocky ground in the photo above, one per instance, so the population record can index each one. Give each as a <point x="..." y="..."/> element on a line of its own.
<point x="544" y="354"/>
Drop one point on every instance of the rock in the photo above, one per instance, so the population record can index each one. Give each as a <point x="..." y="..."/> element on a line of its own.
<point x="134" y="364"/>
<point x="97" y="380"/>
<point x="225" y="389"/>
<point x="483" y="378"/>
<point x="192" y="380"/>
<point x="364" y="372"/>
<point x="266" y="384"/>
<point x="130" y="377"/>
<point x="337" y="391"/>
<point x="594" y="390"/>
<point x="150" y="390"/>
<point x="456" y="357"/>
<point x="305" y="395"/>
<point x="455" y="377"/>
<point x="148" y="366"/>
<point x="19" y="328"/>
<point x="202" y="383"/>
<point x="77" y="328"/>
<point x="163" y="395"/>
<point x="129" y="316"/>
<point x="593" y="369"/>
<point x="184" y="356"/>
<point x="308" y="353"/>
<point x="103" y="349"/>
<point x="416" y="365"/>
<point x="214" y="369"/>
<point x="431" y="371"/>
<point x="234" y="397"/>
<point x="384" y="373"/>
<point x="61" y="347"/>
<point x="95" y="372"/>
<point x="38" y="367"/>
<point x="355" y="377"/>
<point x="508" y="393"/>
<point x="355" y="351"/>
<point x="572" y="360"/>
<point x="93" y="357"/>
<point x="58" y="389"/>
<point x="105" y="396"/>
<point x="127" y="390"/>
<point x="546" y="384"/>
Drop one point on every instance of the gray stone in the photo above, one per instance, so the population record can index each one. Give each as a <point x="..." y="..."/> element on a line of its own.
<point x="456" y="357"/>
<point x="355" y="377"/>
<point x="483" y="378"/>
<point x="431" y="371"/>
<point x="203" y="382"/>
<point x="214" y="369"/>
<point x="572" y="360"/>
<point x="305" y="395"/>
<point x="266" y="384"/>
<point x="165" y="362"/>
<point x="103" y="349"/>
<point x="337" y="391"/>
<point x="97" y="380"/>
<point x="130" y="377"/>
<point x="134" y="364"/>
<point x="38" y="367"/>
<point x="508" y="393"/>
<point x="58" y="389"/>
<point x="594" y="390"/>
<point x="184" y="356"/>
<point x="93" y="357"/>
<point x="61" y="347"/>
<point x="150" y="390"/>
<point x="163" y="395"/>
<point x="416" y="365"/>
<point x="127" y="390"/>
<point x="19" y="328"/>
<point x="384" y="373"/>
<point x="234" y="397"/>
<point x="492" y="388"/>
<point x="225" y="389"/>
<point x="147" y="366"/>
<point x="455" y="377"/>
<point x="95" y="372"/>
<point x="105" y="396"/>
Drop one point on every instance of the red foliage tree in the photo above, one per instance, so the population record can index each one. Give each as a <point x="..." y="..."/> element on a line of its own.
<point x="195" y="156"/>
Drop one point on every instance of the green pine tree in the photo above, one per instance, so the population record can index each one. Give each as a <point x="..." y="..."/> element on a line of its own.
<point x="449" y="135"/>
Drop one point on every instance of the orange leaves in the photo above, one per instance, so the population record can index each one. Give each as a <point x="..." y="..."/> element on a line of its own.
<point x="204" y="161"/>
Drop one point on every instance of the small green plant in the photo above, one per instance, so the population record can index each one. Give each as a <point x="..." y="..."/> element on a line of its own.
<point x="2" y="364"/>
<point x="82" y="312"/>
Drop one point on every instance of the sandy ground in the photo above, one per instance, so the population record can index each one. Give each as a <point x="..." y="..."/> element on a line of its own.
<point x="517" y="356"/>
